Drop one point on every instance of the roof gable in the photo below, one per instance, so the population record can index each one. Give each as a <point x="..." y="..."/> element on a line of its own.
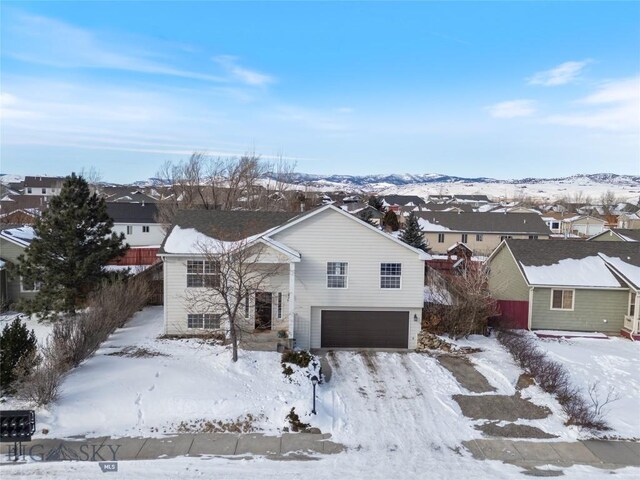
<point x="484" y="222"/>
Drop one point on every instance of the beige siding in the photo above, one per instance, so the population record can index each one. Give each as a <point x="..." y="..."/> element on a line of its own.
<point x="331" y="237"/>
<point x="487" y="245"/>
<point x="591" y="308"/>
<point x="505" y="279"/>
<point x="10" y="251"/>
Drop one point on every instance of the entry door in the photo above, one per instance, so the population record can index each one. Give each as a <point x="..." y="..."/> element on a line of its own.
<point x="264" y="302"/>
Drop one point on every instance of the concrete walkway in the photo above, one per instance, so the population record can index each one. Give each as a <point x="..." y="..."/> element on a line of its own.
<point x="598" y="453"/>
<point x="136" y="448"/>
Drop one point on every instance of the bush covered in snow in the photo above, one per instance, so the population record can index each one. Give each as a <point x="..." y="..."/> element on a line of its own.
<point x="301" y="358"/>
<point x="553" y="378"/>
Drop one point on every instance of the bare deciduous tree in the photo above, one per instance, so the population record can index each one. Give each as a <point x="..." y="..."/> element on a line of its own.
<point x="230" y="274"/>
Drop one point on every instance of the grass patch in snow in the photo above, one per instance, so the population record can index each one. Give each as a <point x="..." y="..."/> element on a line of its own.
<point x="243" y="424"/>
<point x="137" y="352"/>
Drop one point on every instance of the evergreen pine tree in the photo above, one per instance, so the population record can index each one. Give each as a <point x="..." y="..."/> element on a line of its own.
<point x="375" y="202"/>
<point x="412" y="235"/>
<point x="73" y="242"/>
<point x="16" y="343"/>
<point x="390" y="221"/>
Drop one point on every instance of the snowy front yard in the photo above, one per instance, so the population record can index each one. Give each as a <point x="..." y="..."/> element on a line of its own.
<point x="394" y="412"/>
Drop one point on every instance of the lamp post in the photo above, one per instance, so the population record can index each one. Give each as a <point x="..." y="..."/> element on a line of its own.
<point x="314" y="381"/>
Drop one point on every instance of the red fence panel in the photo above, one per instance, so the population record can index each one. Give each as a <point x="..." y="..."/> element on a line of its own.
<point x="513" y="314"/>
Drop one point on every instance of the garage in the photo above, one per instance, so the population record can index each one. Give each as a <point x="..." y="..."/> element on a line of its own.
<point x="364" y="329"/>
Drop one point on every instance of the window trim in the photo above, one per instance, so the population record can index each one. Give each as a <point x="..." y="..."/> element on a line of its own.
<point x="202" y="274"/>
<point x="214" y="317"/>
<point x="479" y="237"/>
<point x="346" y="276"/>
<point x="145" y="229"/>
<point x="279" y="306"/>
<point x="632" y="306"/>
<point x="441" y="238"/>
<point x="129" y="229"/>
<point x="464" y="238"/>
<point x="389" y="276"/>
<point x="36" y="287"/>
<point x="573" y="299"/>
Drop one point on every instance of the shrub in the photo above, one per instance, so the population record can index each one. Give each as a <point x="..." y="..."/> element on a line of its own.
<point x="553" y="378"/>
<point x="301" y="358"/>
<point x="42" y="387"/>
<point x="295" y="422"/>
<point x="18" y="353"/>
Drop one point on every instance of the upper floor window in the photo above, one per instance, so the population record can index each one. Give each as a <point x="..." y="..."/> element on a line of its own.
<point x="129" y="229"/>
<point x="44" y="191"/>
<point x="562" y="299"/>
<point x="533" y="237"/>
<point x="202" y="273"/>
<point x="337" y="274"/>
<point x="505" y="237"/>
<point x="441" y="238"/>
<point x="479" y="237"/>
<point x="145" y="229"/>
<point x="633" y="299"/>
<point x="464" y="238"/>
<point x="203" y="320"/>
<point x="390" y="274"/>
<point x="29" y="190"/>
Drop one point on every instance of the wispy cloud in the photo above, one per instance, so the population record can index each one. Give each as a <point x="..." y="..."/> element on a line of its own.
<point x="563" y="74"/>
<point x="244" y="75"/>
<point x="512" y="109"/>
<point x="614" y="106"/>
<point x="46" y="41"/>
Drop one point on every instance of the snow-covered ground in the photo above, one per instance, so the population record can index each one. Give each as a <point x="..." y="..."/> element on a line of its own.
<point x="611" y="363"/>
<point x="394" y="412"/>
<point x="42" y="329"/>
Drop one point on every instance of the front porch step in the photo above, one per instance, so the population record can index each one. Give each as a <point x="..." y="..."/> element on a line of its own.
<point x="625" y="332"/>
<point x="261" y="341"/>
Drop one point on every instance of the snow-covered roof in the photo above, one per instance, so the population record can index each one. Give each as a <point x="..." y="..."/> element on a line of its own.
<point x="20" y="235"/>
<point x="583" y="272"/>
<point x="629" y="271"/>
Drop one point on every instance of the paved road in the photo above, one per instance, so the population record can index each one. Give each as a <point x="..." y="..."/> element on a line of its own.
<point x="599" y="453"/>
<point x="135" y="448"/>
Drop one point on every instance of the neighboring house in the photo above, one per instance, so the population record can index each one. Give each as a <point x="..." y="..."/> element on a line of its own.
<point x="13" y="242"/>
<point x="629" y="220"/>
<point x="583" y="225"/>
<point x="137" y="222"/>
<point x="47" y="186"/>
<point x="481" y="232"/>
<point x="402" y="201"/>
<point x="343" y="283"/>
<point x="28" y="205"/>
<point x="567" y="285"/>
<point x="473" y="200"/>
<point x="126" y="194"/>
<point x="362" y="209"/>
<point x="554" y="220"/>
<point x="617" y="235"/>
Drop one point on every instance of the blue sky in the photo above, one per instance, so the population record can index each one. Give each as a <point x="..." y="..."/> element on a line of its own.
<point x="506" y="90"/>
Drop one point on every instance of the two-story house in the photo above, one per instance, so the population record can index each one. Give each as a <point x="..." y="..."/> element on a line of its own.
<point x="47" y="186"/>
<point x="340" y="283"/>
<point x="481" y="232"/>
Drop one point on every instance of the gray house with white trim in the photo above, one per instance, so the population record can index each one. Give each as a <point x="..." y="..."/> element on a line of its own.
<point x="343" y="283"/>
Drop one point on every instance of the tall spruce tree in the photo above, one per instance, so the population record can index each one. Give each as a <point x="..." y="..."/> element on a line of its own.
<point x="366" y="216"/>
<point x="73" y="242"/>
<point x="376" y="202"/>
<point x="412" y="235"/>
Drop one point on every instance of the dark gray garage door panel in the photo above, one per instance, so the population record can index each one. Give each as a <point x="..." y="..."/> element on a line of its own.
<point x="346" y="329"/>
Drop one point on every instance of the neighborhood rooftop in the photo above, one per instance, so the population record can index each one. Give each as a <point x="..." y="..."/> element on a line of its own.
<point x="132" y="212"/>
<point x="483" y="222"/>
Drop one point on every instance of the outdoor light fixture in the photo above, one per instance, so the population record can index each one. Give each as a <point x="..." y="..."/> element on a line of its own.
<point x="314" y="381"/>
<point x="415" y="317"/>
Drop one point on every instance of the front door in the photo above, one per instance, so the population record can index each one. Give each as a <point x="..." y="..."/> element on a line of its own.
<point x="263" y="310"/>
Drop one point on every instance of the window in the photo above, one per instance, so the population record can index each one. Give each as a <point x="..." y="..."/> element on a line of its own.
<point x="337" y="274"/>
<point x="441" y="238"/>
<point x="555" y="225"/>
<point x="29" y="286"/>
<point x="44" y="191"/>
<point x="246" y="306"/>
<point x="390" y="275"/>
<point x="203" y="320"/>
<point x="464" y="238"/>
<point x="479" y="237"/>
<point x="533" y="237"/>
<point x="279" y="304"/>
<point x="561" y="299"/>
<point x="129" y="229"/>
<point x="202" y="273"/>
<point x="29" y="190"/>
<point x="633" y="300"/>
<point x="145" y="229"/>
<point x="505" y="237"/>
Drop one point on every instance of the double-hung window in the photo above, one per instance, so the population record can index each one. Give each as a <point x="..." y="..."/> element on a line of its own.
<point x="562" y="299"/>
<point x="479" y="237"/>
<point x="145" y="229"/>
<point x="203" y="273"/>
<point x="203" y="320"/>
<point x="464" y="238"/>
<point x="279" y="305"/>
<point x="633" y="300"/>
<point x="337" y="274"/>
<point x="441" y="238"/>
<point x="390" y="275"/>
<point x="129" y="229"/>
